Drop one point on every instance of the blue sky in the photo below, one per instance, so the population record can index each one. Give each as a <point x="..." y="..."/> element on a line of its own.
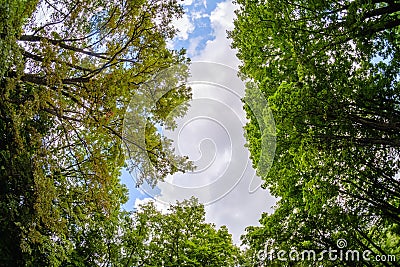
<point x="198" y="14"/>
<point x="195" y="31"/>
<point x="211" y="134"/>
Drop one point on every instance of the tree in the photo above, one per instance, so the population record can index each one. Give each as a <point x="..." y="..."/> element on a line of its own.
<point x="179" y="237"/>
<point x="67" y="79"/>
<point x="330" y="72"/>
<point x="160" y="100"/>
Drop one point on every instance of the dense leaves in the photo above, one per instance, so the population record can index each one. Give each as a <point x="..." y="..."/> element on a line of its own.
<point x="68" y="73"/>
<point x="179" y="237"/>
<point x="330" y="72"/>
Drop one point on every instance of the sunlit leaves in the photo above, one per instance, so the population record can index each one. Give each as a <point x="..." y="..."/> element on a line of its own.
<point x="330" y="73"/>
<point x="68" y="75"/>
<point x="179" y="237"/>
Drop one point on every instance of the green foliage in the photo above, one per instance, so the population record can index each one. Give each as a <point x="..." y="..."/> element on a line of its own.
<point x="179" y="237"/>
<point x="67" y="78"/>
<point x="160" y="100"/>
<point x="13" y="14"/>
<point x="329" y="70"/>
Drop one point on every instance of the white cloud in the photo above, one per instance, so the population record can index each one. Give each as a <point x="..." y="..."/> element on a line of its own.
<point x="186" y="2"/>
<point x="163" y="207"/>
<point x="184" y="26"/>
<point x="218" y="50"/>
<point x="198" y="14"/>
<point x="212" y="134"/>
<point x="243" y="205"/>
<point x="193" y="44"/>
<point x="222" y="16"/>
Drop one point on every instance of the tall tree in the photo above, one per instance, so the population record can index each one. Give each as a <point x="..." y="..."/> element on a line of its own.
<point x="330" y="72"/>
<point x="69" y="71"/>
<point x="179" y="237"/>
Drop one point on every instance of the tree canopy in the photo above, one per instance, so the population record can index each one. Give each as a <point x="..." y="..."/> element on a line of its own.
<point x="69" y="70"/>
<point x="179" y="237"/>
<point x="329" y="70"/>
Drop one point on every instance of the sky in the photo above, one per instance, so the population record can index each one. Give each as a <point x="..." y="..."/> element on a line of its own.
<point x="211" y="133"/>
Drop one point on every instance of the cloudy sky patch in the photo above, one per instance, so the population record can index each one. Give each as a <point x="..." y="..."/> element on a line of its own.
<point x="211" y="133"/>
